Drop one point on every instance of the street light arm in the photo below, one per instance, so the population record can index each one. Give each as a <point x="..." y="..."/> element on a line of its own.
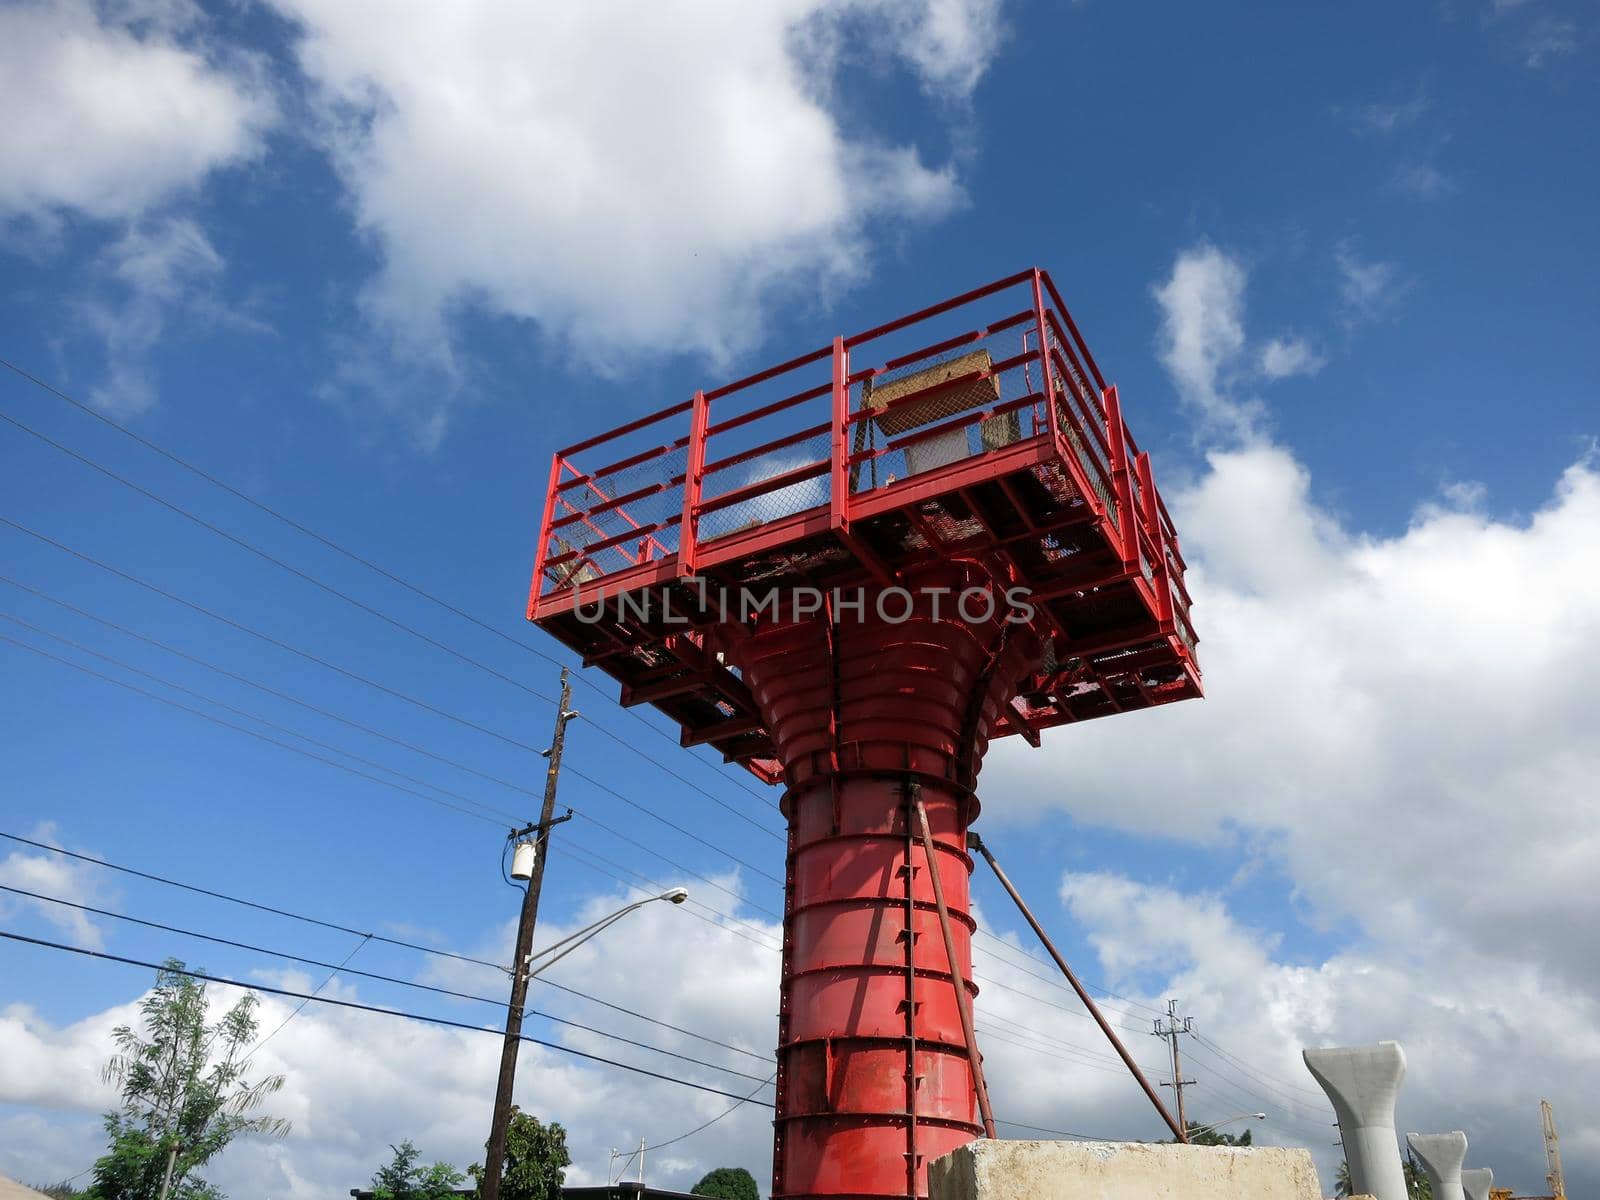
<point x="1260" y="1116"/>
<point x="573" y="940"/>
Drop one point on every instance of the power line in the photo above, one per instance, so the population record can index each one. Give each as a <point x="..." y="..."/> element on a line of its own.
<point x="1257" y="1072"/>
<point x="329" y="543"/>
<point x="1084" y="1137"/>
<point x="346" y="969"/>
<point x="371" y="1008"/>
<point x="242" y="729"/>
<point x="512" y="818"/>
<point x="757" y="936"/>
<point x="1054" y="983"/>
<point x="1277" y="1096"/>
<point x="247" y="714"/>
<point x="422" y="704"/>
<point x="376" y="937"/>
<point x="301" y="1007"/>
<point x="337" y="548"/>
<point x="737" y="1104"/>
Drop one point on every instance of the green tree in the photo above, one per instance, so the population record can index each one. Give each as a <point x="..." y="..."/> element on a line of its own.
<point x="403" y="1179"/>
<point x="536" y="1159"/>
<point x="1199" y="1135"/>
<point x="1418" y="1186"/>
<point x="185" y="1093"/>
<point x="728" y="1183"/>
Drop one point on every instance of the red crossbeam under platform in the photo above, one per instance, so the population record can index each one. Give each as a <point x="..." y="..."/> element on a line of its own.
<point x="848" y="573"/>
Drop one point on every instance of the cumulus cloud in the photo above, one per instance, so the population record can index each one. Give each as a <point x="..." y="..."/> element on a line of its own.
<point x="1423" y="181"/>
<point x="1391" y="116"/>
<point x="358" y="1081"/>
<point x="634" y="179"/>
<point x="1368" y="288"/>
<point x="47" y="874"/>
<point x="156" y="270"/>
<point x="1284" y="357"/>
<point x="1463" y="1017"/>
<point x="1549" y="37"/>
<point x="113" y="109"/>
<point x="1396" y="723"/>
<point x="1202" y="331"/>
<point x="1204" y="348"/>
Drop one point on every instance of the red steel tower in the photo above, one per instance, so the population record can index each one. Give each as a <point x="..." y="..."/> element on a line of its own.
<point x="847" y="573"/>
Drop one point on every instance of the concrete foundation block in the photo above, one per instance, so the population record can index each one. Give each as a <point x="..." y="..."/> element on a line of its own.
<point x="1007" y="1170"/>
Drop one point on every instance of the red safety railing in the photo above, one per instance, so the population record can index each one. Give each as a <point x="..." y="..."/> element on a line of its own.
<point x="820" y="433"/>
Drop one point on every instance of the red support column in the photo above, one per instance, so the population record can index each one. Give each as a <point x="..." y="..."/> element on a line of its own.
<point x="864" y="705"/>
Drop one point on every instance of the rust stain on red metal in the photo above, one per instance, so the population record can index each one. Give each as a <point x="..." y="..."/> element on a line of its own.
<point x="777" y="565"/>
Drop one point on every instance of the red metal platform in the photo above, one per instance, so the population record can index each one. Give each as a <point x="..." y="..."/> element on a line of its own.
<point x="829" y="471"/>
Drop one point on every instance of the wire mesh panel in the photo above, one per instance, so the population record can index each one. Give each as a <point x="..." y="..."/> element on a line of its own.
<point x="935" y="404"/>
<point x="1082" y="422"/>
<point x="617" y="503"/>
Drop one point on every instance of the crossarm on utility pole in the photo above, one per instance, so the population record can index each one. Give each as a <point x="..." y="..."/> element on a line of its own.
<point x="1173" y="1124"/>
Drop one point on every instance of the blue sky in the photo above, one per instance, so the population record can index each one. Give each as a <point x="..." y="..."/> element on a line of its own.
<point x="372" y="271"/>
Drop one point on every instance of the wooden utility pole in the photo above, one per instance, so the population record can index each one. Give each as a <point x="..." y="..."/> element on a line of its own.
<point x="1169" y="1027"/>
<point x="495" y="1151"/>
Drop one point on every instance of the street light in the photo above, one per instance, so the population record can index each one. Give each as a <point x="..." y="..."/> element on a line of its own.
<point x="572" y="941"/>
<point x="1215" y="1125"/>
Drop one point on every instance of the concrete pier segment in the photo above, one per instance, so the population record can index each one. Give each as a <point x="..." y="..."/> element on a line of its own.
<point x="1477" y="1182"/>
<point x="1441" y="1155"/>
<point x="1363" y="1083"/>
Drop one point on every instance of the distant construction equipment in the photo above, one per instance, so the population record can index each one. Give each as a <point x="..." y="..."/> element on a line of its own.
<point x="1552" y="1154"/>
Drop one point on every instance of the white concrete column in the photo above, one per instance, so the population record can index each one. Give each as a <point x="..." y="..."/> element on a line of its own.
<point x="1362" y="1082"/>
<point x="1477" y="1182"/>
<point x="1441" y="1155"/>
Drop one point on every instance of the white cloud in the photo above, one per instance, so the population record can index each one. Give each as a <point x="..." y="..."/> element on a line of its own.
<point x="1401" y="725"/>
<point x="1464" y="1018"/>
<point x="111" y="110"/>
<point x="637" y="178"/>
<point x="1423" y="181"/>
<point x="1368" y="288"/>
<point x="1547" y="38"/>
<point x="48" y="874"/>
<point x="1285" y="357"/>
<point x="1202" y="332"/>
<point x="358" y="1082"/>
<point x="1391" y="116"/>
<point x="157" y="269"/>
<point x="1202" y="343"/>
